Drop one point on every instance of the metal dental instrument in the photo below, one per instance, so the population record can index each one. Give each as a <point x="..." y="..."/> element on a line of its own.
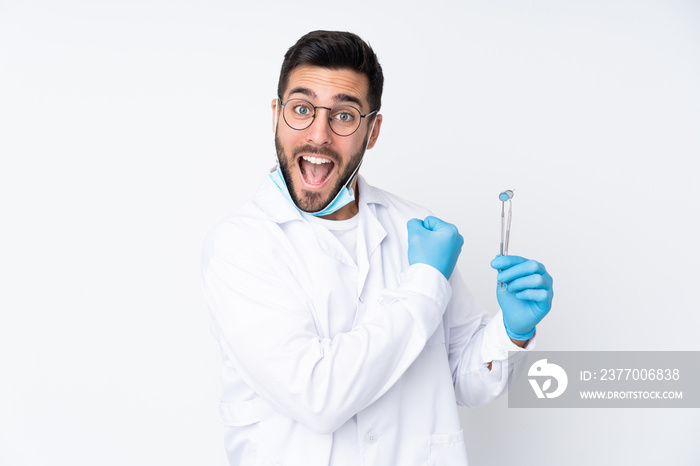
<point x="506" y="195"/>
<point x="505" y="229"/>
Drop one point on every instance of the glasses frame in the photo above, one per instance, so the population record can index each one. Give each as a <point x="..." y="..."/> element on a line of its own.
<point x="330" y="110"/>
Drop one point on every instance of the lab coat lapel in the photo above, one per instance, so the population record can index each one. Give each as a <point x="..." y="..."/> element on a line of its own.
<point x="330" y="245"/>
<point x="371" y="233"/>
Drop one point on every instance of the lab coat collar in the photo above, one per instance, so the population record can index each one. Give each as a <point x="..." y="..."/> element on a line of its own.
<point x="278" y="208"/>
<point x="369" y="194"/>
<point x="274" y="204"/>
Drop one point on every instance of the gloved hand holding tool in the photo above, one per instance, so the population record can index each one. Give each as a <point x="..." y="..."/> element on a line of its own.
<point x="524" y="289"/>
<point x="527" y="298"/>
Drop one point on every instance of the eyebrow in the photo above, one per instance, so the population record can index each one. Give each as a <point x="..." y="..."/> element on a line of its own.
<point x="337" y="98"/>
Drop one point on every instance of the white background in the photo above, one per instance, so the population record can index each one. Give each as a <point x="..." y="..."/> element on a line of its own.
<point x="128" y="129"/>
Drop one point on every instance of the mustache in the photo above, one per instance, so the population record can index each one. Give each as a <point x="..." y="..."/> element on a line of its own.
<point x="318" y="151"/>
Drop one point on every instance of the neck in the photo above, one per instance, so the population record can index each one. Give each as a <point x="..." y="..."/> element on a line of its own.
<point x="348" y="210"/>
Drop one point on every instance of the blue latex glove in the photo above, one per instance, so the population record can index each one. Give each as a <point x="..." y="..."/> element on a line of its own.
<point x="434" y="242"/>
<point x="528" y="296"/>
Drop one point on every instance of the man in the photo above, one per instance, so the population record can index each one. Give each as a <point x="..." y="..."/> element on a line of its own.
<point x="346" y="333"/>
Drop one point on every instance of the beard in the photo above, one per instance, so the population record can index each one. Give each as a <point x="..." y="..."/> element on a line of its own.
<point x="312" y="201"/>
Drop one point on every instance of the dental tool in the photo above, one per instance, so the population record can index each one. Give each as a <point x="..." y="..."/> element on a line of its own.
<point x="505" y="196"/>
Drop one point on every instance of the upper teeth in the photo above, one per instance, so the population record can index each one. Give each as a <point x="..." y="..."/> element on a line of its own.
<point x="315" y="160"/>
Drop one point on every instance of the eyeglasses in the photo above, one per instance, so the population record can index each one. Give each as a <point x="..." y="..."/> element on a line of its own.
<point x="343" y="119"/>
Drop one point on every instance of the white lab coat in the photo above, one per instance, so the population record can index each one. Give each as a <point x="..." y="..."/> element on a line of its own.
<point x="310" y="340"/>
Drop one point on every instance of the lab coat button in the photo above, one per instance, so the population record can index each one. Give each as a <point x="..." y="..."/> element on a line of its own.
<point x="371" y="437"/>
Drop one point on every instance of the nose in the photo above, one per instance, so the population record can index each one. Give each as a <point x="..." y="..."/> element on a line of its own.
<point x="320" y="132"/>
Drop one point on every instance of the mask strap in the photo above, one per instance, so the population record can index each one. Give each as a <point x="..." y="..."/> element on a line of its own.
<point x="277" y="120"/>
<point x="369" y="138"/>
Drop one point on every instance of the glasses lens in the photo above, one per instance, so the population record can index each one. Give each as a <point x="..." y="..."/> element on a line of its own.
<point x="298" y="114"/>
<point x="345" y="119"/>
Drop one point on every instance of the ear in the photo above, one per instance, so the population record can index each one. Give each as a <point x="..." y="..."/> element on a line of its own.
<point x="274" y="105"/>
<point x="375" y="132"/>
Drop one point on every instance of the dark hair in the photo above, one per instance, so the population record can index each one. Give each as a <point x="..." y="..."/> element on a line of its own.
<point x="335" y="50"/>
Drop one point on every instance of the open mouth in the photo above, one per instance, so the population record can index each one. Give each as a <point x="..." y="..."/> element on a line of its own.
<point x="315" y="171"/>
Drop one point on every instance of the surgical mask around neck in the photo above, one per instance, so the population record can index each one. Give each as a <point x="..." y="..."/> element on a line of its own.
<point x="345" y="196"/>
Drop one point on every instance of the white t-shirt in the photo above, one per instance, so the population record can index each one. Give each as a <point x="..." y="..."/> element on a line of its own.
<point x="344" y="230"/>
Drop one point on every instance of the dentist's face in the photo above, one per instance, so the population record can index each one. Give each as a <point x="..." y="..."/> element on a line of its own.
<point x="315" y="161"/>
